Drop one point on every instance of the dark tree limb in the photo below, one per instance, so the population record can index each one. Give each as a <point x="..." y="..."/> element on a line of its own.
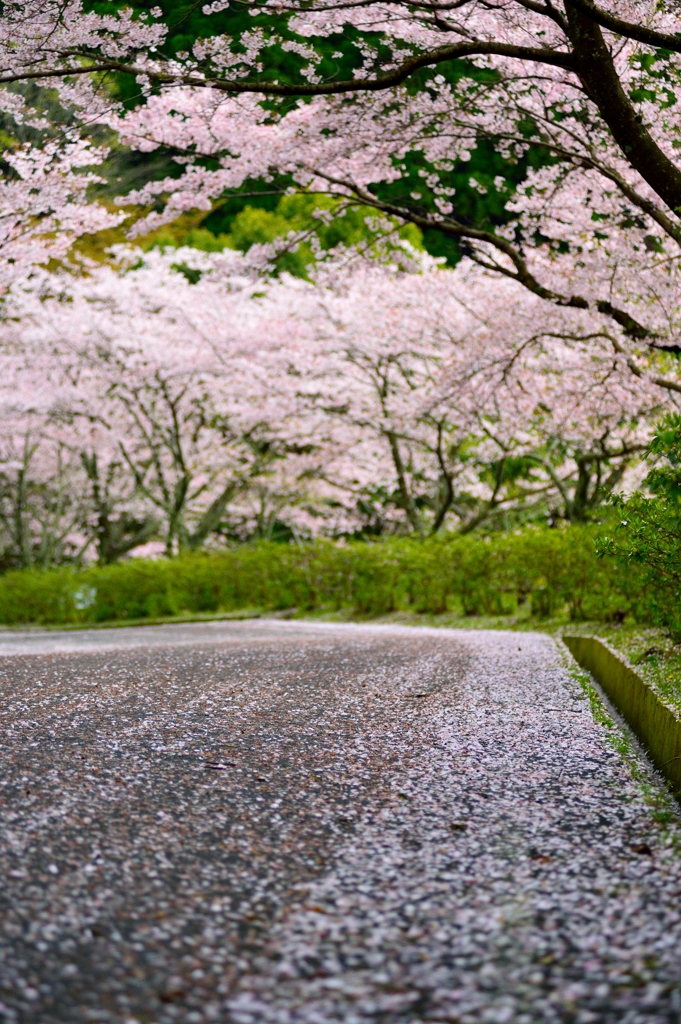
<point x="595" y="67"/>
<point x="408" y="67"/>
<point x="641" y="33"/>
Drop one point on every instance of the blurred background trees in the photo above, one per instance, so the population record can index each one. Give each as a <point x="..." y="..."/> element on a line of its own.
<point x="333" y="270"/>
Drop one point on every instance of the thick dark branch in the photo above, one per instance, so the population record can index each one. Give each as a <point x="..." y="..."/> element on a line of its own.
<point x="397" y="76"/>
<point x="595" y="67"/>
<point x="662" y="382"/>
<point x="628" y="29"/>
<point x="546" y="11"/>
<point x="521" y="272"/>
<point x="65" y="72"/>
<point x="453" y="229"/>
<point x="630" y="326"/>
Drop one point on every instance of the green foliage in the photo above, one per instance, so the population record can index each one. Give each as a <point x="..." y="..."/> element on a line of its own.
<point x="664" y="478"/>
<point x="479" y="185"/>
<point x="646" y="543"/>
<point x="556" y="571"/>
<point x="647" y="539"/>
<point x="319" y="223"/>
<point x="480" y="188"/>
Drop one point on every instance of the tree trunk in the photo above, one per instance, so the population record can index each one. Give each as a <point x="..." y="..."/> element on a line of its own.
<point x="597" y="72"/>
<point x="210" y="519"/>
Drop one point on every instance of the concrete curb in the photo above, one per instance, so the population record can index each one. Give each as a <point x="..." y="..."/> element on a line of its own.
<point x="655" y="725"/>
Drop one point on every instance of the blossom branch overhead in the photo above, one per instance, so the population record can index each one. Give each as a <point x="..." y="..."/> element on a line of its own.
<point x="564" y="97"/>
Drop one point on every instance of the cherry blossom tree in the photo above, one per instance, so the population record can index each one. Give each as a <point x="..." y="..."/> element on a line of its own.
<point x="562" y="115"/>
<point x="42" y="500"/>
<point x="197" y="399"/>
<point x="153" y="385"/>
<point x="532" y="144"/>
<point x="560" y="119"/>
<point x="449" y="399"/>
<point x="40" y="511"/>
<point x="44" y="206"/>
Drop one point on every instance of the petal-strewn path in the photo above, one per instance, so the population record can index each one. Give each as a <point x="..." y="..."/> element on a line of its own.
<point x="297" y="823"/>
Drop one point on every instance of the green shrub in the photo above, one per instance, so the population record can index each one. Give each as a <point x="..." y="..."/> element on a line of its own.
<point x="557" y="571"/>
<point x="645" y="543"/>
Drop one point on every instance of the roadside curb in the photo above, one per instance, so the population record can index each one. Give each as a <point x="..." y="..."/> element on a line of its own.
<point x="655" y="725"/>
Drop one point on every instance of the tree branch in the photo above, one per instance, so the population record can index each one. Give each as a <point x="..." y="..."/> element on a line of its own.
<point x="642" y="34"/>
<point x="448" y="497"/>
<point x="211" y="517"/>
<point x="662" y="382"/>
<point x="595" y="67"/>
<point x="521" y="274"/>
<point x="430" y="58"/>
<point x="407" y="500"/>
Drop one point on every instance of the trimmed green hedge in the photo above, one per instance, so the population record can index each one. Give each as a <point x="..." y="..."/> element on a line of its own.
<point x="555" y="570"/>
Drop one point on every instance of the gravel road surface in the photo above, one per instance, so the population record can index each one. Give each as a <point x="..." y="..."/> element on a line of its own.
<point x="293" y="823"/>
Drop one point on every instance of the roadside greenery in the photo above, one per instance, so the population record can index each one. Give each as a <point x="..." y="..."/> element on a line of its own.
<point x="649" y="649"/>
<point x="538" y="579"/>
<point x="647" y="538"/>
<point x="537" y="572"/>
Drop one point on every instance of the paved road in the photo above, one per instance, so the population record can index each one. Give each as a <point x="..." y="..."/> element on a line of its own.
<point x="304" y="824"/>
